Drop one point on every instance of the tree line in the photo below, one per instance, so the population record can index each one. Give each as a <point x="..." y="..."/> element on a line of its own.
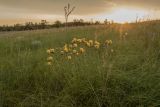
<point x="45" y="25"/>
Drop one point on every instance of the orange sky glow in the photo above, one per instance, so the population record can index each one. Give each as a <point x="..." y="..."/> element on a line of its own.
<point x="120" y="11"/>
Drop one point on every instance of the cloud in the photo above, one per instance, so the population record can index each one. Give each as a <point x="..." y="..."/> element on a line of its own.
<point x="83" y="7"/>
<point x="14" y="9"/>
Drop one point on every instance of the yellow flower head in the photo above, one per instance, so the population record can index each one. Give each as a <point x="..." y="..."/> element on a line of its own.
<point x="112" y="50"/>
<point x="48" y="51"/>
<point x="108" y="42"/>
<point x="96" y="46"/>
<point x="77" y="53"/>
<point x="79" y="40"/>
<point x="75" y="45"/>
<point x="126" y="33"/>
<point x="70" y="46"/>
<point x="88" y="44"/>
<point x="62" y="52"/>
<point x="50" y="58"/>
<point x="69" y="57"/>
<point x="83" y="39"/>
<point x="91" y="42"/>
<point x="74" y="40"/>
<point x="96" y="43"/>
<point x="82" y="50"/>
<point x="49" y="63"/>
<point x="65" y="48"/>
<point x="52" y="50"/>
<point x="74" y="51"/>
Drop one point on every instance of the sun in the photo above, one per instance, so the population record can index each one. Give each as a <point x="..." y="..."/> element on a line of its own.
<point x="123" y="15"/>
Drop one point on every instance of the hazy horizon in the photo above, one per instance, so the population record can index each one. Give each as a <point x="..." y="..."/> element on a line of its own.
<point x="20" y="11"/>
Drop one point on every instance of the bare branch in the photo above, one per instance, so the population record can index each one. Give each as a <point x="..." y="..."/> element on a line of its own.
<point x="68" y="11"/>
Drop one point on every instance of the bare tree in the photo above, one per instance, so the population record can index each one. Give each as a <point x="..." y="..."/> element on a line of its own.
<point x="68" y="10"/>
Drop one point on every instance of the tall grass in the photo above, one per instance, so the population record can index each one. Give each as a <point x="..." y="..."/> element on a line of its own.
<point x="129" y="77"/>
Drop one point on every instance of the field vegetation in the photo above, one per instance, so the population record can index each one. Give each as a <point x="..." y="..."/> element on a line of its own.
<point x="37" y="71"/>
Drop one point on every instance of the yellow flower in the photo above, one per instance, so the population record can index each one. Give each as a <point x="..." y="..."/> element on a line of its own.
<point x="88" y="44"/>
<point x="83" y="39"/>
<point x="74" y="51"/>
<point x="50" y="58"/>
<point x="52" y="50"/>
<point x="48" y="51"/>
<point x="77" y="53"/>
<point x="49" y="63"/>
<point x="69" y="57"/>
<point x="74" y="40"/>
<point x="62" y="52"/>
<point x="65" y="48"/>
<point x="70" y="46"/>
<point x="79" y="40"/>
<point x="82" y="50"/>
<point x="108" y="42"/>
<point x="91" y="42"/>
<point x="97" y="43"/>
<point x="112" y="50"/>
<point x="75" y="45"/>
<point x="96" y="46"/>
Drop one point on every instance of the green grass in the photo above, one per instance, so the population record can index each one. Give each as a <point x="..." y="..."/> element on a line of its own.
<point x="129" y="77"/>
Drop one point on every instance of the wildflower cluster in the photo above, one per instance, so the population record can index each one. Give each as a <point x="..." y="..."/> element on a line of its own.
<point x="50" y="58"/>
<point x="75" y="48"/>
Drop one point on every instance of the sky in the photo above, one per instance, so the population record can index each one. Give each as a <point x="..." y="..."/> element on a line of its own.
<point x="20" y="11"/>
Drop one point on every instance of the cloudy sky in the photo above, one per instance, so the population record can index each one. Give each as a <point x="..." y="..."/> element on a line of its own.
<point x="19" y="11"/>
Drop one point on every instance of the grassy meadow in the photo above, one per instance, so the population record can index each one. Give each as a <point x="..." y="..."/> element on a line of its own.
<point x="125" y="74"/>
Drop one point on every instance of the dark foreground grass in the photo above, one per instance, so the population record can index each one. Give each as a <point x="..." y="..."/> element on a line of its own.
<point x="129" y="77"/>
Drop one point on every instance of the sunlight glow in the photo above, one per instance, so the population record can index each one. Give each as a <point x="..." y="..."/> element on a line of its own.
<point x="123" y="15"/>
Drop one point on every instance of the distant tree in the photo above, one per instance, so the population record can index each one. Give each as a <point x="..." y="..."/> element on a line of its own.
<point x="43" y="24"/>
<point x="97" y="22"/>
<point x="81" y="21"/>
<point x="29" y="26"/>
<point x="106" y="22"/>
<point x="68" y="11"/>
<point x="18" y="27"/>
<point x="58" y="23"/>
